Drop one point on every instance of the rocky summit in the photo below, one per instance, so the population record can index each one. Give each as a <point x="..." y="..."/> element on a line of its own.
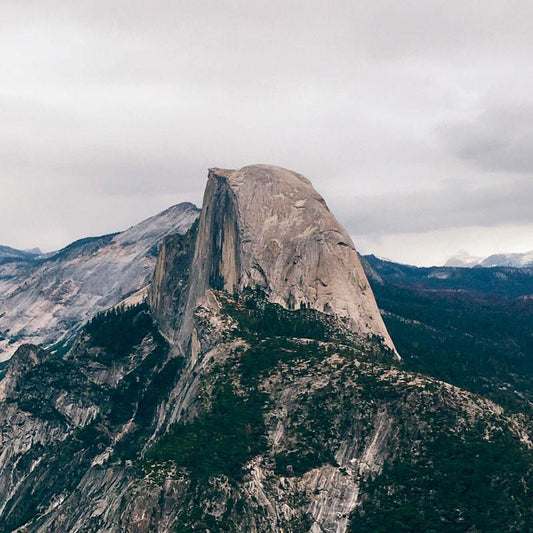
<point x="266" y="228"/>
<point x="255" y="390"/>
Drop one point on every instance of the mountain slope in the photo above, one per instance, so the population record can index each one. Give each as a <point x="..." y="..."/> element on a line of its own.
<point x="45" y="301"/>
<point x="10" y="254"/>
<point x="249" y="414"/>
<point x="267" y="431"/>
<point x="471" y="327"/>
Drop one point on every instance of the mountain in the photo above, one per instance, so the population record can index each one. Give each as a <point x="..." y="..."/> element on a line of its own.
<point x="266" y="227"/>
<point x="517" y="260"/>
<point x="510" y="260"/>
<point x="10" y="254"/>
<point x="499" y="280"/>
<point x="463" y="259"/>
<point x="46" y="299"/>
<point x="468" y="326"/>
<point x="250" y="393"/>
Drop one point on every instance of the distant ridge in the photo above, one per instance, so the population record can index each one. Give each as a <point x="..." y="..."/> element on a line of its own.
<point x="517" y="260"/>
<point x="6" y="252"/>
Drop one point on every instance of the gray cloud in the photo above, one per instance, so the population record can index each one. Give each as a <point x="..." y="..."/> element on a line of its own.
<point x="112" y="111"/>
<point x="453" y="207"/>
<point x="500" y="139"/>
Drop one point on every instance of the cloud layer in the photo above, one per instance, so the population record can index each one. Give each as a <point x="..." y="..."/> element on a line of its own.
<point x="411" y="118"/>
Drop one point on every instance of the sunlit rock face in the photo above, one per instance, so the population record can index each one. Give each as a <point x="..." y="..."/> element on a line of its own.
<point x="265" y="227"/>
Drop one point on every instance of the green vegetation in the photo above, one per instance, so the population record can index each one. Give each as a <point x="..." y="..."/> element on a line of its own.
<point x="456" y="485"/>
<point x="277" y="335"/>
<point x="265" y="355"/>
<point x="481" y="343"/>
<point x="498" y="281"/>
<point x="454" y="482"/>
<point x="257" y="318"/>
<point x="141" y="390"/>
<point x="118" y="330"/>
<point x="219" y="441"/>
<point x="224" y="438"/>
<point x="143" y="406"/>
<point x="3" y="368"/>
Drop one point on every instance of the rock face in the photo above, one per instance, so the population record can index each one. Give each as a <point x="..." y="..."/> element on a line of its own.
<point x="43" y="301"/>
<point x="169" y="288"/>
<point x="265" y="227"/>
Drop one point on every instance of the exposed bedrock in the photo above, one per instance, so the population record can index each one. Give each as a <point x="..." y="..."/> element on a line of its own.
<point x="266" y="227"/>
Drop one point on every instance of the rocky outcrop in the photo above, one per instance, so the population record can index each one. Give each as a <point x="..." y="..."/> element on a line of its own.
<point x="26" y="357"/>
<point x="47" y="299"/>
<point x="265" y="227"/>
<point x="168" y="291"/>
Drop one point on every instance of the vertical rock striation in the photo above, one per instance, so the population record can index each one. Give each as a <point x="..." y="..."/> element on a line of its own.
<point x="167" y="294"/>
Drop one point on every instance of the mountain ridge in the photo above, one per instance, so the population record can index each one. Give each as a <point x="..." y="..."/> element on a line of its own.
<point x="517" y="260"/>
<point x="45" y="298"/>
<point x="270" y="417"/>
<point x="9" y="254"/>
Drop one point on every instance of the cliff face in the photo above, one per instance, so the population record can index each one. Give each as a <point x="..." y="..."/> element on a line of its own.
<point x="168" y="290"/>
<point x="264" y="227"/>
<point x="264" y="397"/>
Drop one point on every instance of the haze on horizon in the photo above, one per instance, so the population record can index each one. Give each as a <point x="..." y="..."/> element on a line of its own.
<point x="413" y="119"/>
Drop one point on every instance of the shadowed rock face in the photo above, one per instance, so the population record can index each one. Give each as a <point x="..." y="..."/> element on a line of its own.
<point x="167" y="294"/>
<point x="266" y="227"/>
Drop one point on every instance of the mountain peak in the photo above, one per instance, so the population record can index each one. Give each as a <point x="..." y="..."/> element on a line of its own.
<point x="265" y="227"/>
<point x="260" y="172"/>
<point x="516" y="260"/>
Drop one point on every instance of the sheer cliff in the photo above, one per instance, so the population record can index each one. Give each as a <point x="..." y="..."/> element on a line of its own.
<point x="266" y="228"/>
<point x="237" y="400"/>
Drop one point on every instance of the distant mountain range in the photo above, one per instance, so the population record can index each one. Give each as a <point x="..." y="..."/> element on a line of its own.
<point x="517" y="260"/>
<point x="8" y="253"/>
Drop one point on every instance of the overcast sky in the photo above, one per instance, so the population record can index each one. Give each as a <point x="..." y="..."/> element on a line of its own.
<point x="413" y="118"/>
